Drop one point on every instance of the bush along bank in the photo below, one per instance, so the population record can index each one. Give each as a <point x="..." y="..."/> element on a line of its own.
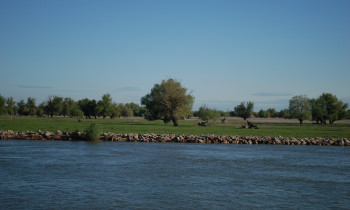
<point x="209" y="139"/>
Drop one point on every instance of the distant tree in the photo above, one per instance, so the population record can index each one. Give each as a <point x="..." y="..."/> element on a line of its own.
<point x="11" y="106"/>
<point x="89" y="107"/>
<point x="54" y="105"/>
<point x="207" y="114"/>
<point x="76" y="112"/>
<point x="223" y="113"/>
<point x="244" y="110"/>
<point x="40" y="110"/>
<point x="126" y="111"/>
<point x="318" y="110"/>
<point x="115" y="110"/>
<point x="167" y="101"/>
<point x="328" y="107"/>
<point x="93" y="108"/>
<point x="21" y="106"/>
<point x="104" y="106"/>
<point x="284" y="113"/>
<point x="83" y="105"/>
<point x="271" y="112"/>
<point x="68" y="105"/>
<point x="262" y="113"/>
<point x="300" y="108"/>
<point x="31" y="107"/>
<point x="232" y="114"/>
<point x="348" y="114"/>
<point x="136" y="109"/>
<point x="2" y="105"/>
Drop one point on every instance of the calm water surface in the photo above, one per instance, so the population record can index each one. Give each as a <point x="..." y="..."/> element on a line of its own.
<point x="111" y="175"/>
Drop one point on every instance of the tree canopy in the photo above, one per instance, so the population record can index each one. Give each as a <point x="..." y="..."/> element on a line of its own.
<point x="167" y="101"/>
<point x="54" y="105"/>
<point x="104" y="106"/>
<point x="11" y="106"/>
<point x="31" y="107"/>
<point x="244" y="110"/>
<point x="300" y="108"/>
<point x="328" y="107"/>
<point x="2" y="105"/>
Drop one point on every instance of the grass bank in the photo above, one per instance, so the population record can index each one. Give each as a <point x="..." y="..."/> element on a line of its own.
<point x="186" y="127"/>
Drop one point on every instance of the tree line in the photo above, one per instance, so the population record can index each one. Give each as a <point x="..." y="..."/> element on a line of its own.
<point x="59" y="106"/>
<point x="326" y="108"/>
<point x="169" y="101"/>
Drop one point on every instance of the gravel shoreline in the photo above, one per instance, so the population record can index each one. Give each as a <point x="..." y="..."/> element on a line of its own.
<point x="205" y="139"/>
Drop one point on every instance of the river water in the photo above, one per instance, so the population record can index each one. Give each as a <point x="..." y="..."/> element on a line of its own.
<point x="112" y="175"/>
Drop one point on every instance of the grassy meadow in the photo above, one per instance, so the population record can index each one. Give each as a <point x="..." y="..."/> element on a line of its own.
<point x="267" y="127"/>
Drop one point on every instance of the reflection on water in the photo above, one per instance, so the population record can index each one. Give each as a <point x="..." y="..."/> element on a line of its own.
<point x="62" y="174"/>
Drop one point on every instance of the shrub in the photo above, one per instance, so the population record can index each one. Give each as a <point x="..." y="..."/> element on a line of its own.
<point x="93" y="132"/>
<point x="207" y="114"/>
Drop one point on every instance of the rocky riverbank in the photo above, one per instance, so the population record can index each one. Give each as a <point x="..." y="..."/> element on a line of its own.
<point x="209" y="139"/>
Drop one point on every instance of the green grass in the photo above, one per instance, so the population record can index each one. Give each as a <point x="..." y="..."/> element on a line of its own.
<point x="186" y="127"/>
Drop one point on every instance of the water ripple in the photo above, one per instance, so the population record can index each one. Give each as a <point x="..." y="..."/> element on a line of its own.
<point x="110" y="175"/>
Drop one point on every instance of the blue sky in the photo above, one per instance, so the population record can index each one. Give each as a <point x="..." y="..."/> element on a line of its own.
<point x="224" y="52"/>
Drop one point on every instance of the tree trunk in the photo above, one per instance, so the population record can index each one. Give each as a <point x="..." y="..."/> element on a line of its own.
<point x="301" y="121"/>
<point x="166" y="119"/>
<point x="173" y="118"/>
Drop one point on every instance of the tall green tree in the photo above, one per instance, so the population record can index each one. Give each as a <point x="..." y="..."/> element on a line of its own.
<point x="76" y="112"/>
<point x="244" y="110"/>
<point x="31" y="107"/>
<point x="300" y="108"/>
<point x="89" y="107"/>
<point x="328" y="107"/>
<point x="115" y="110"/>
<point x="11" y="106"/>
<point x="104" y="106"/>
<point x="318" y="110"/>
<point x="68" y="105"/>
<point x="54" y="105"/>
<point x="167" y="101"/>
<point x="21" y="107"/>
<point x="262" y="113"/>
<point x="40" y="110"/>
<point x="2" y="105"/>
